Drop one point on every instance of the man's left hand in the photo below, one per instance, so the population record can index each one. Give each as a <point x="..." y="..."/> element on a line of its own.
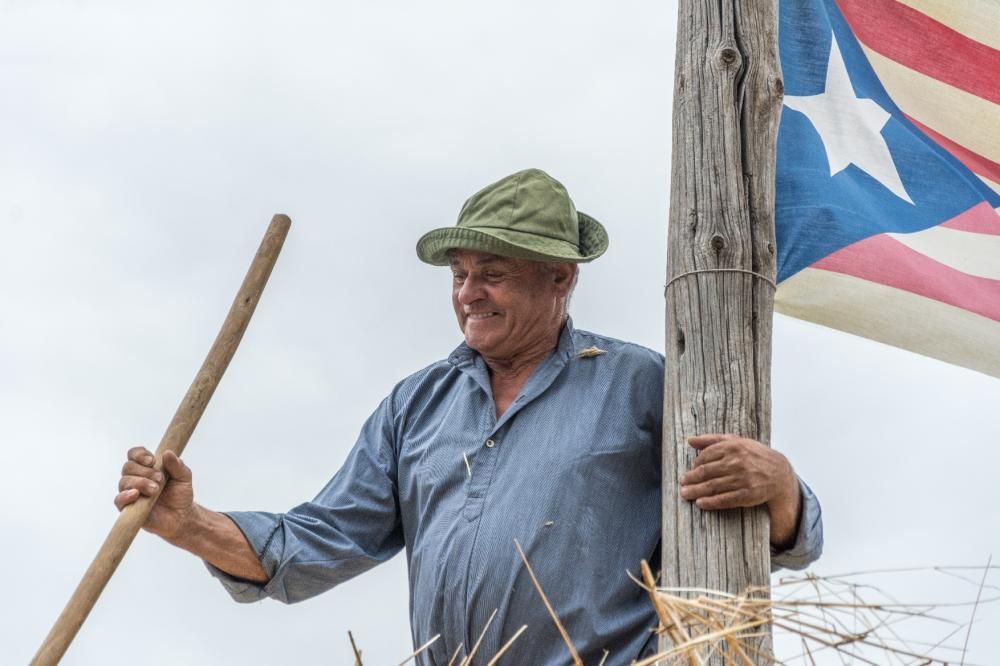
<point x="732" y="472"/>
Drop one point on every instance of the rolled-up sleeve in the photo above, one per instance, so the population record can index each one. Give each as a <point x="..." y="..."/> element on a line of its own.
<point x="808" y="545"/>
<point x="351" y="525"/>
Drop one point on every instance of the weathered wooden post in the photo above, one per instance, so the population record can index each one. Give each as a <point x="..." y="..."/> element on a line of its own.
<point x="720" y="277"/>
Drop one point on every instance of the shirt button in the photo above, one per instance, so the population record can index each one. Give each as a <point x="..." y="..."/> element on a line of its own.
<point x="490" y="443"/>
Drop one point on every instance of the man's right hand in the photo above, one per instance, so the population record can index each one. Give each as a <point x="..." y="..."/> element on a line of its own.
<point x="210" y="535"/>
<point x="174" y="510"/>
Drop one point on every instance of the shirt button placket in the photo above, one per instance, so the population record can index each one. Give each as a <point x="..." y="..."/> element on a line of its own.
<point x="480" y="480"/>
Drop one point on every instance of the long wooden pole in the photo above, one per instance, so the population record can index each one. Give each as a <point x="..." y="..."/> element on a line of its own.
<point x="176" y="437"/>
<point x="720" y="273"/>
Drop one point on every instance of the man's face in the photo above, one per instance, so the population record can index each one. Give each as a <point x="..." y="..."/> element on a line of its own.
<point x="506" y="307"/>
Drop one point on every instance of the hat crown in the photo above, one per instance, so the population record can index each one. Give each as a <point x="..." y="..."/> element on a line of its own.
<point x="529" y="202"/>
<point x="527" y="215"/>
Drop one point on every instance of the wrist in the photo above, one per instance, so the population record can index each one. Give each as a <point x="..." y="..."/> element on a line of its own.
<point x="191" y="529"/>
<point x="784" y="510"/>
<point x="788" y="497"/>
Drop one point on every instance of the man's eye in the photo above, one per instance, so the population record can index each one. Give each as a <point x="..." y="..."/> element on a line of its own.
<point x="458" y="277"/>
<point x="493" y="276"/>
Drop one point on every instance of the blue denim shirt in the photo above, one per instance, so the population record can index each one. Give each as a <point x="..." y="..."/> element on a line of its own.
<point x="571" y="470"/>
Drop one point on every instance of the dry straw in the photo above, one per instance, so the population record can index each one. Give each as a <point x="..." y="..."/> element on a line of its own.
<point x="839" y="619"/>
<point x="851" y="620"/>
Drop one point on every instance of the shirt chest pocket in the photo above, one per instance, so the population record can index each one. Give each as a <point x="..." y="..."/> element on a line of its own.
<point x="444" y="466"/>
<point x="608" y="436"/>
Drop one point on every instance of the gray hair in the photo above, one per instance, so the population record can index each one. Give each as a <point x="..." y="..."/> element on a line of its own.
<point x="550" y="267"/>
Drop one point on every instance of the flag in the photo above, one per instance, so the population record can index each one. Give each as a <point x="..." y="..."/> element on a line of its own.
<point x="888" y="173"/>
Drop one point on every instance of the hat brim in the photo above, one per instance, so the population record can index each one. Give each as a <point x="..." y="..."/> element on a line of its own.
<point x="433" y="247"/>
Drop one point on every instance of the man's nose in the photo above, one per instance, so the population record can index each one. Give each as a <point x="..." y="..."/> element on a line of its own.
<point x="470" y="291"/>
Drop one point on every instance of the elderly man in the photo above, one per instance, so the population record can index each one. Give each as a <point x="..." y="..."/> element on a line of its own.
<point x="529" y="430"/>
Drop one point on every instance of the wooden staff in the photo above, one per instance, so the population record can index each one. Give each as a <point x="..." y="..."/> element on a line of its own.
<point x="176" y="437"/>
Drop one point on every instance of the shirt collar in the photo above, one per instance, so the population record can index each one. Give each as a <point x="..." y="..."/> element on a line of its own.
<point x="471" y="363"/>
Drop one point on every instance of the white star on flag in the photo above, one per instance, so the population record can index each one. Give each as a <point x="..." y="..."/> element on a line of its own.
<point x="849" y="126"/>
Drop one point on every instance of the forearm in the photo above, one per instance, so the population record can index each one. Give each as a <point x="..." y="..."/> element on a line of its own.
<point x="215" y="538"/>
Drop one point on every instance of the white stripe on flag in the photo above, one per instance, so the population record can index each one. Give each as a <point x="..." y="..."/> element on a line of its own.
<point x="966" y="119"/>
<point x="965" y="251"/>
<point x="893" y="316"/>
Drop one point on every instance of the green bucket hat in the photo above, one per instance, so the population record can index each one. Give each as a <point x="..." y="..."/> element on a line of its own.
<point x="527" y="215"/>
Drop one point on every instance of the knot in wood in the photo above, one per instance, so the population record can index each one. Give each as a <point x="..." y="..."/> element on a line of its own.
<point x="718" y="243"/>
<point x="728" y="56"/>
<point x="779" y="88"/>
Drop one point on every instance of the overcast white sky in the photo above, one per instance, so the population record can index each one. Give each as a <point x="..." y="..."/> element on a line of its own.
<point x="145" y="146"/>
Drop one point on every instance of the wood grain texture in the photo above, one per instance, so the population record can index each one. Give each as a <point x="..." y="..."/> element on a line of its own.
<point x="176" y="437"/>
<point x="727" y="102"/>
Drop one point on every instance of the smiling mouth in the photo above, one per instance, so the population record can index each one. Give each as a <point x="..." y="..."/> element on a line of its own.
<point x="479" y="316"/>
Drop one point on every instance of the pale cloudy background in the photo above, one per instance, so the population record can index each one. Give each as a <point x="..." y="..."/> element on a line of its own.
<point x="145" y="146"/>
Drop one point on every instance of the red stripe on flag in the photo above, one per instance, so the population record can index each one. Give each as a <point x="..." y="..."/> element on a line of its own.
<point x="884" y="260"/>
<point x="980" y="219"/>
<point x="982" y="165"/>
<point x="917" y="41"/>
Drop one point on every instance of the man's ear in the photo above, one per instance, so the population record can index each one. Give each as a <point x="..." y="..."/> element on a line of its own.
<point x="562" y="276"/>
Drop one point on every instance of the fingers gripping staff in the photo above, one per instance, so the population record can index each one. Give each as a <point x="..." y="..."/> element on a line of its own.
<point x="132" y="517"/>
<point x="172" y="486"/>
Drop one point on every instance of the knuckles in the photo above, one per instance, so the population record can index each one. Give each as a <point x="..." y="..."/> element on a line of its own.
<point x="130" y="483"/>
<point x="735" y="472"/>
<point x="135" y="469"/>
<point x="137" y="453"/>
